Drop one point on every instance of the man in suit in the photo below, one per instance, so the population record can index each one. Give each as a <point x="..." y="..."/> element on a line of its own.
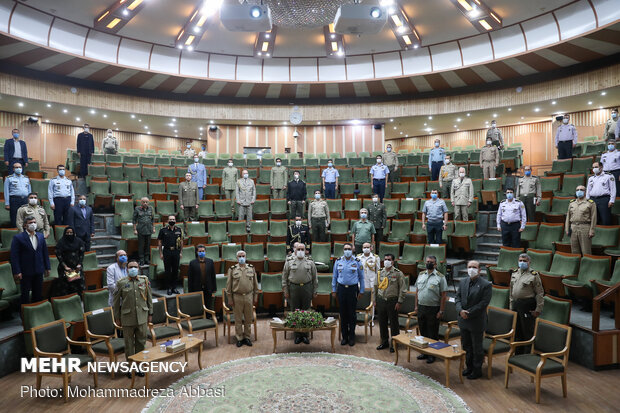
<point x="15" y="150"/>
<point x="82" y="220"/>
<point x="85" y="148"/>
<point x="201" y="276"/>
<point x="472" y="301"/>
<point x="30" y="261"/>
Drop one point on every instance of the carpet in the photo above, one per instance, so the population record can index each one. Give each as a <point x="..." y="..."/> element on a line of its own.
<point x="306" y="382"/>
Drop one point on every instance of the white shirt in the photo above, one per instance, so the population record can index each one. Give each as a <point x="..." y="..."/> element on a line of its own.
<point x="203" y="154"/>
<point x="113" y="274"/>
<point x="34" y="240"/>
<point x="18" y="149"/>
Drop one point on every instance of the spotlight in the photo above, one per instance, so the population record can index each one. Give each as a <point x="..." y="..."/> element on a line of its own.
<point x="256" y="12"/>
<point x="375" y="12"/>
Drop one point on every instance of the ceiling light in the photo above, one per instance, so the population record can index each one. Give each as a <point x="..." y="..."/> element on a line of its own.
<point x="407" y="40"/>
<point x="375" y="12"/>
<point x="133" y="116"/>
<point x="455" y="126"/>
<point x="474" y="13"/>
<point x="77" y="119"/>
<point x="149" y="132"/>
<point x="114" y="123"/>
<point x="554" y="102"/>
<point x="415" y="46"/>
<point x="394" y="127"/>
<point x="116" y="128"/>
<point x="401" y="133"/>
<point x="397" y="21"/>
<point x="146" y="127"/>
<point x="465" y="5"/>
<point x="249" y="123"/>
<point x="190" y="48"/>
<point x="391" y="120"/>
<point x="139" y="120"/>
<point x="36" y="114"/>
<point x="424" y="124"/>
<point x="318" y="123"/>
<point x="267" y="35"/>
<point x="49" y="105"/>
<point x="64" y="111"/>
<point x="589" y="102"/>
<point x="509" y="109"/>
<point x="180" y="46"/>
<point x="603" y="93"/>
<point x="458" y="119"/>
<point x="256" y="12"/>
<point x="267" y="54"/>
<point x="196" y="29"/>
<point x="47" y="120"/>
<point x="176" y="131"/>
<point x="469" y="114"/>
<point x="20" y="104"/>
<point x="536" y="109"/>
<point x="522" y="117"/>
<point x="200" y="128"/>
<point x="495" y="115"/>
<point x="174" y="119"/>
<point x="211" y="122"/>
<point x="125" y="12"/>
<point x="113" y="23"/>
<point x="430" y="117"/>
<point x="105" y="116"/>
<point x="92" y="111"/>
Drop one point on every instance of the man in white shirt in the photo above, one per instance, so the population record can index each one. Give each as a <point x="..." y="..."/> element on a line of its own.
<point x="115" y="272"/>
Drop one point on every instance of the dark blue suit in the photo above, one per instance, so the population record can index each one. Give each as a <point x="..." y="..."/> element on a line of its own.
<point x="86" y="148"/>
<point x="83" y="226"/>
<point x="30" y="263"/>
<point x="9" y="151"/>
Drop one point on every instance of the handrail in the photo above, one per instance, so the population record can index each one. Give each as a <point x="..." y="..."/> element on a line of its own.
<point x="596" y="307"/>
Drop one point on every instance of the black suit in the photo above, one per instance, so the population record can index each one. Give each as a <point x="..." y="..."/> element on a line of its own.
<point x="196" y="283"/>
<point x="474" y="297"/>
<point x="30" y="263"/>
<point x="83" y="226"/>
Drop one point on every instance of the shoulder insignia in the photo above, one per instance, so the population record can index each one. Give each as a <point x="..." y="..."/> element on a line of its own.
<point x="514" y="269"/>
<point x="249" y="265"/>
<point x="534" y="272"/>
<point x="357" y="259"/>
<point x="589" y="200"/>
<point x="359" y="255"/>
<point x="572" y="200"/>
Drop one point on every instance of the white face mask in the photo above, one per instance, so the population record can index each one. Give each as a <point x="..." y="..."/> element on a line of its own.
<point x="472" y="272"/>
<point x="296" y="176"/>
<point x="32" y="227"/>
<point x="278" y="163"/>
<point x="375" y="200"/>
<point x="317" y="196"/>
<point x="32" y="201"/>
<point x="109" y="134"/>
<point x="462" y="174"/>
<point x="86" y="130"/>
<point x="436" y="144"/>
<point x="596" y="170"/>
<point x="489" y="142"/>
<point x="446" y="161"/>
<point x="366" y="250"/>
<point x="230" y="164"/>
<point x="298" y="223"/>
<point x="245" y="176"/>
<point x="196" y="160"/>
<point x="300" y="254"/>
<point x="387" y="263"/>
<point x="565" y="121"/>
<point x="493" y="125"/>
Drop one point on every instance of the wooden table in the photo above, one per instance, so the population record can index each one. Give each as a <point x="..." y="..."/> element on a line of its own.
<point x="155" y="354"/>
<point x="275" y="328"/>
<point x="447" y="353"/>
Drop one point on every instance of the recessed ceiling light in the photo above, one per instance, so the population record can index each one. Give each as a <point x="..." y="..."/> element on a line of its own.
<point x="394" y="127"/>
<point x="458" y="119"/>
<point x="47" y="120"/>
<point x="554" y="102"/>
<point x="391" y="120"/>
<point x="20" y="104"/>
<point x="211" y="122"/>
<point x="284" y="123"/>
<point x="536" y="109"/>
<point x="125" y="12"/>
<point x="424" y="124"/>
<point x="149" y="132"/>
<point x="522" y="117"/>
<point x="116" y="128"/>
<point x="176" y="136"/>
<point x="139" y="120"/>
<point x="200" y="133"/>
<point x="36" y="114"/>
<point x="589" y="102"/>
<point x="176" y="131"/>
<point x="430" y="117"/>
<point x="469" y="114"/>
<point x="495" y="115"/>
<point x="92" y="111"/>
<point x="455" y="126"/>
<point x="200" y="128"/>
<point x="133" y="116"/>
<point x="105" y="116"/>
<point x="77" y="119"/>
<point x="401" y="133"/>
<point x="603" y="93"/>
<point x="114" y="123"/>
<point x="458" y="130"/>
<point x="249" y="123"/>
<point x="509" y="109"/>
<point x="146" y="127"/>
<point x="318" y="123"/>
<point x="49" y="105"/>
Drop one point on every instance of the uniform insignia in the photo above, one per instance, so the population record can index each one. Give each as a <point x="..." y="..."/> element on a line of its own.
<point x="572" y="200"/>
<point x="534" y="272"/>
<point x="589" y="200"/>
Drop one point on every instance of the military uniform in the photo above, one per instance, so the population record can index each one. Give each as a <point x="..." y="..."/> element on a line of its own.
<point x="447" y="174"/>
<point x="461" y="195"/>
<point x="581" y="219"/>
<point x="389" y="290"/>
<point x="172" y="246"/>
<point x="434" y="211"/>
<point x="230" y="175"/>
<point x="246" y="196"/>
<point x="330" y="175"/>
<point x="496" y="137"/>
<point x="511" y="217"/>
<point x="611" y="164"/>
<point x="133" y="303"/>
<point x="295" y="234"/>
<point x="362" y="232"/>
<point x="189" y="152"/>
<point x="188" y="197"/>
<point x="109" y="145"/>
<point x="390" y="159"/>
<point x="565" y="139"/>
<point x="526" y="294"/>
<point x="299" y="283"/>
<point x="378" y="216"/>
<point x="62" y="197"/>
<point x="242" y="290"/>
<point x="143" y="224"/>
<point x="489" y="159"/>
<point x="347" y="282"/>
<point x="610" y="129"/>
<point x="199" y="175"/>
<point x="296" y="196"/>
<point x="602" y="190"/>
<point x="529" y="192"/>
<point x="379" y="174"/>
<point x="436" y="159"/>
<point x="277" y="179"/>
<point x="16" y="190"/>
<point x="371" y="265"/>
<point x="38" y="212"/>
<point x="318" y="212"/>
<point x="430" y="288"/>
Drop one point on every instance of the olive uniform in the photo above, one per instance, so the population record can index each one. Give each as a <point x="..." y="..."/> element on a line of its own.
<point x="389" y="290"/>
<point x="133" y="303"/>
<point x="230" y="175"/>
<point x="581" y="217"/>
<point x="246" y="196"/>
<point x="188" y="197"/>
<point x="38" y="212"/>
<point x="528" y="191"/>
<point x="172" y="245"/>
<point x="143" y="221"/>
<point x="461" y="195"/>
<point x="363" y="232"/>
<point x="489" y="159"/>
<point x="378" y="216"/>
<point x="318" y="212"/>
<point x="299" y="282"/>
<point x="526" y="294"/>
<point x="242" y="290"/>
<point x="447" y="174"/>
<point x="277" y="179"/>
<point x="429" y="291"/>
<point x="390" y="159"/>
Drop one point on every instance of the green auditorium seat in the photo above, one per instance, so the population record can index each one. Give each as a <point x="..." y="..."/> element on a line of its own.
<point x="582" y="165"/>
<point x="10" y="290"/>
<point x="157" y="188"/>
<point x="400" y="229"/>
<point x="69" y="309"/>
<point x="95" y="299"/>
<point x="133" y="173"/>
<point x="114" y="172"/>
<point x="548" y="233"/>
<point x="559" y="208"/>
<point x="278" y="208"/>
<point x="139" y="190"/>
<point x="321" y="255"/>
<point x="563" y="264"/>
<point x="277" y="230"/>
<point x="164" y="209"/>
<point x="464" y="236"/>
<point x="570" y="184"/>
<point x="150" y="172"/>
<point x="222" y="209"/>
<point x="408" y="208"/>
<point x="237" y="231"/>
<point x="556" y="309"/>
<point x="259" y="231"/>
<point x="352" y="208"/>
<point x="276" y="255"/>
<point x="413" y="254"/>
<point x="33" y="315"/>
<point x="591" y="268"/>
<point x="540" y="260"/>
<point x="416" y="189"/>
<point x="147" y="160"/>
<point x="271" y="295"/>
<point x="163" y="161"/>
<point x="360" y="175"/>
<point x="391" y="206"/>
<point x="500" y="296"/>
<point x="549" y="184"/>
<point x="507" y="260"/>
<point x="560" y="167"/>
<point x="335" y="208"/>
<point x="339" y="229"/>
<point x="605" y="236"/>
<point x="123" y="211"/>
<point x="407" y="317"/>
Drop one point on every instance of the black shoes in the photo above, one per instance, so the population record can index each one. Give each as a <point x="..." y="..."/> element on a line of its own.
<point x="175" y="291"/>
<point x="128" y="375"/>
<point x="352" y="342"/>
<point x="430" y="359"/>
<point x="422" y="357"/>
<point x="305" y="340"/>
<point x="247" y="342"/>
<point x="474" y="375"/>
<point x="344" y="342"/>
<point x="383" y="346"/>
<point x="169" y="292"/>
<point x="297" y="340"/>
<point x="240" y="343"/>
<point x="391" y="349"/>
<point x="467" y="371"/>
<point x="140" y="374"/>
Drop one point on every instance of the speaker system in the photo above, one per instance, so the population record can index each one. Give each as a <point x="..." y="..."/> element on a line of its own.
<point x="378" y="126"/>
<point x="246" y="17"/>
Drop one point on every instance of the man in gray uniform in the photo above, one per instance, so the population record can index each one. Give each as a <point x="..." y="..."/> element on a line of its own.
<point x="528" y="191"/>
<point x="246" y="196"/>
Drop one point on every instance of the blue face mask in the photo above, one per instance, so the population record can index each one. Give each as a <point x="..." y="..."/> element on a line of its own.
<point x="18" y="171"/>
<point x="61" y="172"/>
<point x="348" y="253"/>
<point x="434" y="196"/>
<point x="133" y="272"/>
<point x="16" y="135"/>
<point x="330" y="164"/>
<point x="510" y="195"/>
<point x="614" y="116"/>
<point x="389" y="149"/>
<point x="122" y="259"/>
<point x="528" y="173"/>
<point x="611" y="146"/>
<point x="579" y="194"/>
<point x="363" y="216"/>
<point x="82" y="202"/>
<point x="523" y="265"/>
<point x="241" y="260"/>
<point x="201" y="254"/>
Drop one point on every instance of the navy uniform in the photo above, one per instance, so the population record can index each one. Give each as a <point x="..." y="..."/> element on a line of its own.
<point x="526" y="295"/>
<point x="378" y="216"/>
<point x="62" y="198"/>
<point x="565" y="139"/>
<point x="133" y="304"/>
<point x="602" y="190"/>
<point x="171" y="240"/>
<point x="16" y="190"/>
<point x="85" y="148"/>
<point x="436" y="160"/>
<point x="330" y="176"/>
<point x="295" y="234"/>
<point x="379" y="173"/>
<point x="296" y="197"/>
<point x="611" y="162"/>
<point x="434" y="210"/>
<point x="347" y="282"/>
<point x="511" y="217"/>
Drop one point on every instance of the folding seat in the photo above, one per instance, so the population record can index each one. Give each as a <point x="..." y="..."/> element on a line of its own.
<point x="416" y="190"/>
<point x="556" y="309"/>
<point x="339" y="229"/>
<point x="548" y="185"/>
<point x="123" y="211"/>
<point x="391" y="207"/>
<point x="100" y="197"/>
<point x="507" y="261"/>
<point x="163" y="161"/>
<point x="388" y="248"/>
<point x="114" y="172"/>
<point x="259" y="231"/>
<point x="335" y="208"/>
<point x="157" y="188"/>
<point x="346" y="174"/>
<point x="260" y="209"/>
<point x="237" y="231"/>
<point x="430" y="186"/>
<point x="413" y="254"/>
<point x="582" y="165"/>
<point x="347" y="190"/>
<point x="408" y="173"/>
<point x="278" y="230"/>
<point x="361" y="175"/>
<point x="352" y="208"/>
<point x="120" y="189"/>
<point x="529" y="233"/>
<point x="255" y="255"/>
<point x="229" y="255"/>
<point x="439" y="251"/>
<point x="311" y="188"/>
<point x="400" y="229"/>
<point x="365" y="190"/>
<point x="278" y="208"/>
<point x="464" y="236"/>
<point x="276" y="255"/>
<point x="418" y="235"/>
<point x="150" y="173"/>
<point x="146" y="160"/>
<point x="10" y="291"/>
<point x="570" y="184"/>
<point x="540" y="260"/>
<point x="139" y="190"/>
<point x="408" y="208"/>
<point x="560" y="167"/>
<point x="272" y="296"/>
<point x="605" y="236"/>
<point x="490" y="192"/>
<point x="212" y="251"/>
<point x="591" y="268"/>
<point x="133" y="173"/>
<point x="559" y="208"/>
<point x="548" y="233"/>
<point x="164" y="209"/>
<point x="543" y="209"/>
<point x="321" y="255"/>
<point x="399" y="189"/>
<point x="222" y="209"/>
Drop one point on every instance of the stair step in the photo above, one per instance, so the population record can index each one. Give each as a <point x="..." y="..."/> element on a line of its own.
<point x="100" y="247"/>
<point x="487" y="253"/>
<point x="106" y="256"/>
<point x="489" y="244"/>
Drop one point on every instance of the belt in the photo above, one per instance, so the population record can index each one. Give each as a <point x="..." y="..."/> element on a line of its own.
<point x="347" y="285"/>
<point x="330" y="182"/>
<point x="234" y="293"/>
<point x="435" y="222"/>
<point x="580" y="223"/>
<point x="62" y="197"/>
<point x="170" y="248"/>
<point x="18" y="196"/>
<point x="600" y="196"/>
<point x="300" y="284"/>
<point x="513" y="222"/>
<point x="378" y="179"/>
<point x="323" y="217"/>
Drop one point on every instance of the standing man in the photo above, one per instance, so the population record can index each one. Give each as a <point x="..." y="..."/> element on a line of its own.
<point x="116" y="272"/>
<point x="330" y="180"/>
<point x="297" y="233"/>
<point x="472" y="300"/>
<point x="242" y="290"/>
<point x="15" y="151"/>
<point x="379" y="173"/>
<point x="203" y="152"/>
<point x="32" y="208"/>
<point x="610" y="126"/>
<point x="347" y="282"/>
<point x="199" y="175"/>
<point x="246" y="196"/>
<point x="447" y="174"/>
<point x="430" y="300"/>
<point x="29" y="261"/>
<point x="230" y="175"/>
<point x="299" y="283"/>
<point x="495" y="135"/>
<point x="511" y="219"/>
<point x="436" y="212"/>
<point x="390" y="159"/>
<point x="526" y="298"/>
<point x="188" y="197"/>
<point x="296" y="196"/>
<point x="16" y="190"/>
<point x="85" y="148"/>
<point x="580" y="222"/>
<point x="566" y="138"/>
<point x="611" y="161"/>
<point x="143" y="228"/>
<point x="362" y="231"/>
<point x="436" y="160"/>
<point x="378" y="216"/>
<point x="133" y="310"/>
<point x="601" y="189"/>
<point x="462" y="195"/>
<point x="529" y="192"/>
<point x="489" y="159"/>
<point x="170" y="245"/>
<point x="189" y="152"/>
<point x="82" y="220"/>
<point x="371" y="265"/>
<point x="318" y="213"/>
<point x="277" y="178"/>
<point x="61" y="196"/>
<point x="109" y="145"/>
<point x="201" y="276"/>
<point x="390" y="293"/>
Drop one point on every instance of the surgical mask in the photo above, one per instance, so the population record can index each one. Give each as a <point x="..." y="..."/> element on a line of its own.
<point x="489" y="142"/>
<point x="614" y="116"/>
<point x="472" y="272"/>
<point x="363" y="216"/>
<point x="462" y="174"/>
<point x="375" y="200"/>
<point x="230" y="164"/>
<point x="110" y="135"/>
<point x="133" y="272"/>
<point x="330" y="164"/>
<point x="523" y="265"/>
<point x="579" y="194"/>
<point x="245" y="176"/>
<point x="82" y="202"/>
<point x="86" y="130"/>
<point x="195" y="160"/>
<point x="387" y="263"/>
<point x="595" y="170"/>
<point x="171" y="223"/>
<point x="528" y="173"/>
<point x="278" y="163"/>
<point x="434" y="196"/>
<point x="378" y="160"/>
<point x="298" y="223"/>
<point x="61" y="172"/>
<point x="611" y="146"/>
<point x="565" y="121"/>
<point x="430" y="266"/>
<point x="300" y="254"/>
<point x="32" y="201"/>
<point x="122" y="259"/>
<point x="366" y="250"/>
<point x="390" y="149"/>
<point x="317" y="196"/>
<point x="18" y="171"/>
<point x="493" y="125"/>
<point x="436" y="144"/>
<point x="510" y="195"/>
<point x="16" y="135"/>
<point x="32" y="226"/>
<point x="348" y="253"/>
<point x="446" y="161"/>
<point x="204" y="148"/>
<point x="296" y="176"/>
<point x="202" y="254"/>
<point x="189" y="146"/>
<point x="241" y="260"/>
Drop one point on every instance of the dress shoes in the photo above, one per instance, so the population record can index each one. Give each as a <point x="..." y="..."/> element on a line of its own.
<point x="169" y="292"/>
<point x="175" y="291"/>
<point x="128" y="375"/>
<point x="239" y="343"/>
<point x="140" y="374"/>
<point x="344" y="342"/>
<point x="352" y="342"/>
<point x="247" y="342"/>
<point x="422" y="357"/>
<point x="391" y="349"/>
<point x="430" y="359"/>
<point x="297" y="340"/>
<point x="474" y="375"/>
<point x="305" y="340"/>
<point x="382" y="346"/>
<point x="467" y="372"/>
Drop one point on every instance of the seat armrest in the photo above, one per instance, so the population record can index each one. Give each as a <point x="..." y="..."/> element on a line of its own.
<point x="40" y="353"/>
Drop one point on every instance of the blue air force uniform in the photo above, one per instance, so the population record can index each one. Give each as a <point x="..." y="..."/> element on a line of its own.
<point x="611" y="164"/>
<point x="602" y="190"/>
<point x="62" y="197"/>
<point x="329" y="176"/>
<point x="199" y="175"/>
<point x="379" y="174"/>
<point x="565" y="139"/>
<point x="16" y="190"/>
<point x="511" y="217"/>
<point x="347" y="282"/>
<point x="435" y="161"/>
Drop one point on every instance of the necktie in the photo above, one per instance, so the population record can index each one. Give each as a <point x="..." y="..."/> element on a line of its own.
<point x="84" y="212"/>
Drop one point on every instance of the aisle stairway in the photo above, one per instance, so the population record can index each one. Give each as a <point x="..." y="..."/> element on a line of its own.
<point x="106" y="240"/>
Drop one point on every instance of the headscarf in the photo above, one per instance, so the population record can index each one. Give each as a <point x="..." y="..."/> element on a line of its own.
<point x="68" y="243"/>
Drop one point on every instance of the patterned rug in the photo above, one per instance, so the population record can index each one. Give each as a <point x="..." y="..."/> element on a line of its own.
<point x="307" y="382"/>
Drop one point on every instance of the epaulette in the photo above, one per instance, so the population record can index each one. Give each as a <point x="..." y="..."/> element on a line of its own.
<point x="572" y="200"/>
<point x="359" y="255"/>
<point x="534" y="272"/>
<point x="589" y="200"/>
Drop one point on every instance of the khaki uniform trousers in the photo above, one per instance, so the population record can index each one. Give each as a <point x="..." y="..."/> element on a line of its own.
<point x="245" y="212"/>
<point x="445" y="190"/>
<point x="488" y="169"/>
<point x="190" y="213"/>
<point x="231" y="194"/>
<point x="460" y="213"/>
<point x="580" y="242"/>
<point x="243" y="309"/>
<point x="277" y="193"/>
<point x="135" y="339"/>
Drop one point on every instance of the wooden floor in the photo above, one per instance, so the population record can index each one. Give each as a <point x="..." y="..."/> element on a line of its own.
<point x="588" y="391"/>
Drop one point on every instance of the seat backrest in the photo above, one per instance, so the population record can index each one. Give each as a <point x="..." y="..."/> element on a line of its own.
<point x="229" y="251"/>
<point x="325" y="283"/>
<point x="271" y="282"/>
<point x="51" y="337"/>
<point x="550" y="337"/>
<point x="606" y="236"/>
<point x="365" y="300"/>
<point x="594" y="268"/>
<point x="191" y="304"/>
<point x="540" y="260"/>
<point x="276" y="251"/>
<point x="68" y="307"/>
<point x="438" y="251"/>
<point x="408" y="304"/>
<point x="556" y="309"/>
<point x="565" y="263"/>
<point x="100" y="322"/>
<point x="464" y="228"/>
<point x="36" y="314"/>
<point x="159" y="310"/>
<point x="500" y="320"/>
<point x="449" y="311"/>
<point x="95" y="299"/>
<point x="499" y="296"/>
<point x="7" y="281"/>
<point x="321" y="252"/>
<point x="254" y="251"/>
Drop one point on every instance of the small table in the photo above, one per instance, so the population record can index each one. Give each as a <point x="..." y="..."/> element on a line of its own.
<point x="155" y="354"/>
<point x="275" y="328"/>
<point x="446" y="353"/>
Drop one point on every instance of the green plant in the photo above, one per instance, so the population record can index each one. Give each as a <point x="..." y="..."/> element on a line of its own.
<point x="304" y="319"/>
